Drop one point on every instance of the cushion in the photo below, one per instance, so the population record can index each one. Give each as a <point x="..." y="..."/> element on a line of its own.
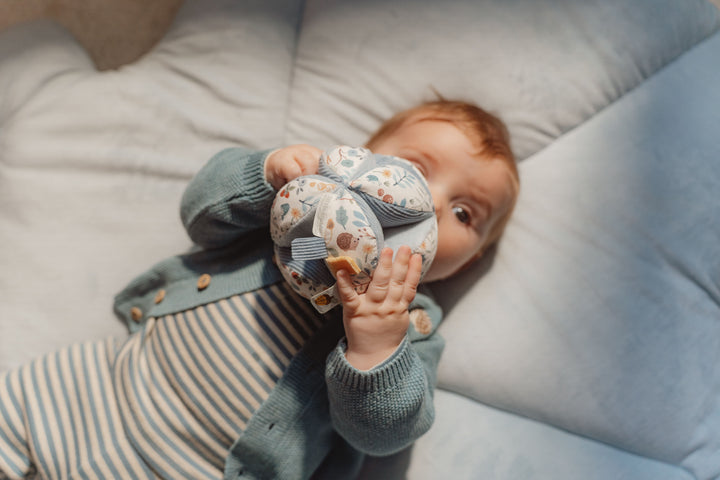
<point x="599" y="312"/>
<point x="470" y="440"/>
<point x="544" y="66"/>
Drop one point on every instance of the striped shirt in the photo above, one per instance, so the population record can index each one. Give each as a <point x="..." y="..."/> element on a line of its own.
<point x="167" y="403"/>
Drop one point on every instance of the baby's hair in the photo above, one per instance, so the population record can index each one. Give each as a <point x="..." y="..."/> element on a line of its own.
<point x="485" y="130"/>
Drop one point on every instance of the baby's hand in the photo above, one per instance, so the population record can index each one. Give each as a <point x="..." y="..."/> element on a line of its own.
<point x="291" y="162"/>
<point x="376" y="322"/>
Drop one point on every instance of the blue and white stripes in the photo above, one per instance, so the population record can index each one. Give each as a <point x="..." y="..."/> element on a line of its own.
<point x="167" y="403"/>
<point x="59" y="416"/>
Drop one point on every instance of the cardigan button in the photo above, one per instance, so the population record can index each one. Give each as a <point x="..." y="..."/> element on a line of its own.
<point x="136" y="314"/>
<point x="203" y="282"/>
<point x="420" y="319"/>
<point x="159" y="296"/>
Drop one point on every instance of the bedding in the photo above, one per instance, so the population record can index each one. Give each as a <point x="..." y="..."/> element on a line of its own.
<point x="586" y="346"/>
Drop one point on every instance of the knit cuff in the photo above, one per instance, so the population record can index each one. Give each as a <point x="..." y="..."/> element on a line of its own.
<point x="252" y="177"/>
<point x="387" y="375"/>
<point x="227" y="197"/>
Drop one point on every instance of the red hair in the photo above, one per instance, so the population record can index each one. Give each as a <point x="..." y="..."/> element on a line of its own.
<point x="486" y="132"/>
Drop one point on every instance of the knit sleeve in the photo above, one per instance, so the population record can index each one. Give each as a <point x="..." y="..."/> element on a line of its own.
<point x="227" y="198"/>
<point x="384" y="410"/>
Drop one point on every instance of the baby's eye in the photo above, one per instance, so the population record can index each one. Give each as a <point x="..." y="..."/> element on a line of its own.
<point x="462" y="215"/>
<point x="420" y="167"/>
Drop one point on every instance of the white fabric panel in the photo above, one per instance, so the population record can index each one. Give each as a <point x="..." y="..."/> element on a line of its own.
<point x="544" y="66"/>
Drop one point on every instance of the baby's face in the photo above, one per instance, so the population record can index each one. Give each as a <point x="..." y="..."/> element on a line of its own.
<point x="471" y="194"/>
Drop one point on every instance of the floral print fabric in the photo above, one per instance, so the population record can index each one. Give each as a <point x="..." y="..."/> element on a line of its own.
<point x="357" y="204"/>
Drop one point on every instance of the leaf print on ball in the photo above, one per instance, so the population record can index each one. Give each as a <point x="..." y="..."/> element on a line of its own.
<point x="361" y="220"/>
<point x="403" y="179"/>
<point x="308" y="203"/>
<point x="341" y="216"/>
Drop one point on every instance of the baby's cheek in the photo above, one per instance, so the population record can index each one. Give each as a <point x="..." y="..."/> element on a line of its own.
<point x="459" y="247"/>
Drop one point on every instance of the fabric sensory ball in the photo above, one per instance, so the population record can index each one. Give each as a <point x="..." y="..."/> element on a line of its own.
<point x="341" y="218"/>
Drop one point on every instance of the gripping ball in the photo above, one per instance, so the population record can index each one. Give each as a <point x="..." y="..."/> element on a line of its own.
<point x="359" y="203"/>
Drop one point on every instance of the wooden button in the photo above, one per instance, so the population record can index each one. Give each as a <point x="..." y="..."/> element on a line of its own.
<point x="421" y="321"/>
<point x="203" y="281"/>
<point x="136" y="314"/>
<point x="159" y="296"/>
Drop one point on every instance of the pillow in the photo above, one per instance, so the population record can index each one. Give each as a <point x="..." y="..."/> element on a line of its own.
<point x="599" y="312"/>
<point x="473" y="441"/>
<point x="544" y="66"/>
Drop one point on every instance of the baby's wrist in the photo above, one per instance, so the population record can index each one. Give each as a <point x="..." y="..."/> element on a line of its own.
<point x="367" y="359"/>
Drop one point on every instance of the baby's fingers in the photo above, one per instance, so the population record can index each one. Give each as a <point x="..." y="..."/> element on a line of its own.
<point x="399" y="274"/>
<point x="382" y="277"/>
<point x="412" y="278"/>
<point x="396" y="280"/>
<point x="308" y="159"/>
<point x="348" y="296"/>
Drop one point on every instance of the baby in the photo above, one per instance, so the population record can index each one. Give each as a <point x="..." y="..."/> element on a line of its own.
<point x="228" y="372"/>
